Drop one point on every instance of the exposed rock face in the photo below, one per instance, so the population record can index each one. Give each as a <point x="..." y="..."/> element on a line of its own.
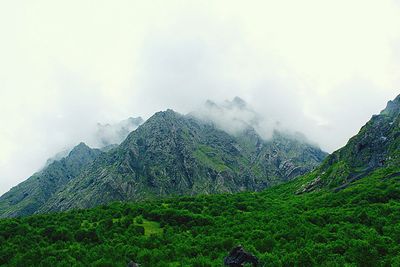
<point x="376" y="145"/>
<point x="310" y="186"/>
<point x="170" y="154"/>
<point x="29" y="196"/>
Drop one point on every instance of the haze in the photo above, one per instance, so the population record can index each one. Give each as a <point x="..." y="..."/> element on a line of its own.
<point x="318" y="67"/>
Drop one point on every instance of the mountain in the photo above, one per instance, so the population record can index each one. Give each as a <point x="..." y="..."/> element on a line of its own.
<point x="357" y="226"/>
<point x="57" y="157"/>
<point x="173" y="154"/>
<point x="170" y="154"/>
<point x="376" y="146"/>
<point x="30" y="195"/>
<point x="350" y="218"/>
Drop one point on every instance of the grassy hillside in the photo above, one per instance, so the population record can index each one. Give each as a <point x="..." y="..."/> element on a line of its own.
<point x="357" y="226"/>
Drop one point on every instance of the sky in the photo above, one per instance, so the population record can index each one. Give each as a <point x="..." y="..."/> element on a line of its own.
<point x="320" y="67"/>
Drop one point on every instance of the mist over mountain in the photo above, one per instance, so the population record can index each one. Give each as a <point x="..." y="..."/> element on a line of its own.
<point x="233" y="116"/>
<point x="336" y="210"/>
<point x="220" y="148"/>
<point x="104" y="137"/>
<point x="256" y="128"/>
<point x="169" y="154"/>
<point x="174" y="154"/>
<point x="114" y="134"/>
<point x="236" y="116"/>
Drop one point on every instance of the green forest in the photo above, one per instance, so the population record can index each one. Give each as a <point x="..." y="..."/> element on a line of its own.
<point x="357" y="226"/>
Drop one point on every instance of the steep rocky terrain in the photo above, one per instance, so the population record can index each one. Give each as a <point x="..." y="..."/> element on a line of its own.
<point x="350" y="218"/>
<point x="30" y="195"/>
<point x="356" y="224"/>
<point x="172" y="154"/>
<point x="376" y="146"/>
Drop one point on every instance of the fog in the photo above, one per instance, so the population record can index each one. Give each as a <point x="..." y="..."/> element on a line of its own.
<point x="318" y="67"/>
<point x="234" y="116"/>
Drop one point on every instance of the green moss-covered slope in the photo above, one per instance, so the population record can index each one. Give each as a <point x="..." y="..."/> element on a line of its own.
<point x="357" y="226"/>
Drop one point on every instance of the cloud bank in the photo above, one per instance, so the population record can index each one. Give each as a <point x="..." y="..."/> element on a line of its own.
<point x="318" y="67"/>
<point x="234" y="116"/>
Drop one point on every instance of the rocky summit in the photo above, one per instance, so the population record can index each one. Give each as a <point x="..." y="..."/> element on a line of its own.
<point x="170" y="154"/>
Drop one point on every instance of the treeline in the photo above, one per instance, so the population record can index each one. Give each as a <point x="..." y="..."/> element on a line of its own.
<point x="358" y="226"/>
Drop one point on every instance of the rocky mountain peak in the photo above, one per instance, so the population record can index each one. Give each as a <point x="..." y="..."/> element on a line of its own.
<point x="79" y="152"/>
<point x="81" y="147"/>
<point x="393" y="108"/>
<point x="160" y="118"/>
<point x="238" y="102"/>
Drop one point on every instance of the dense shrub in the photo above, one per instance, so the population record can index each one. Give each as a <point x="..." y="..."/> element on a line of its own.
<point x="359" y="225"/>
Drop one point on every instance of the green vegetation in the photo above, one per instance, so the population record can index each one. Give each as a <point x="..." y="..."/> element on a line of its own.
<point x="151" y="228"/>
<point x="357" y="226"/>
<point x="209" y="157"/>
<point x="344" y="213"/>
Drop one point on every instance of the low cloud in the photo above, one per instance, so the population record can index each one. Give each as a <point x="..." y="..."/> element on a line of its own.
<point x="107" y="134"/>
<point x="293" y="63"/>
<point x="235" y="116"/>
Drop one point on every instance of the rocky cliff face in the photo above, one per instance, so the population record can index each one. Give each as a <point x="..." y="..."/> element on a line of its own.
<point x="376" y="145"/>
<point x="29" y="196"/>
<point x="172" y="154"/>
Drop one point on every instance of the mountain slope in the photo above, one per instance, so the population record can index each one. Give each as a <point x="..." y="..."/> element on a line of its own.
<point x="172" y="154"/>
<point x="30" y="195"/>
<point x="376" y="146"/>
<point x="357" y="226"/>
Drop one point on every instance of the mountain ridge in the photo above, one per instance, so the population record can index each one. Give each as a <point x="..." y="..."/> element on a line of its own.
<point x="142" y="166"/>
<point x="28" y="196"/>
<point x="376" y="145"/>
<point x="349" y="215"/>
<point x="171" y="154"/>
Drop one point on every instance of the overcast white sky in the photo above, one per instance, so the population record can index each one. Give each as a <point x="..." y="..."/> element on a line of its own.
<point x="322" y="67"/>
